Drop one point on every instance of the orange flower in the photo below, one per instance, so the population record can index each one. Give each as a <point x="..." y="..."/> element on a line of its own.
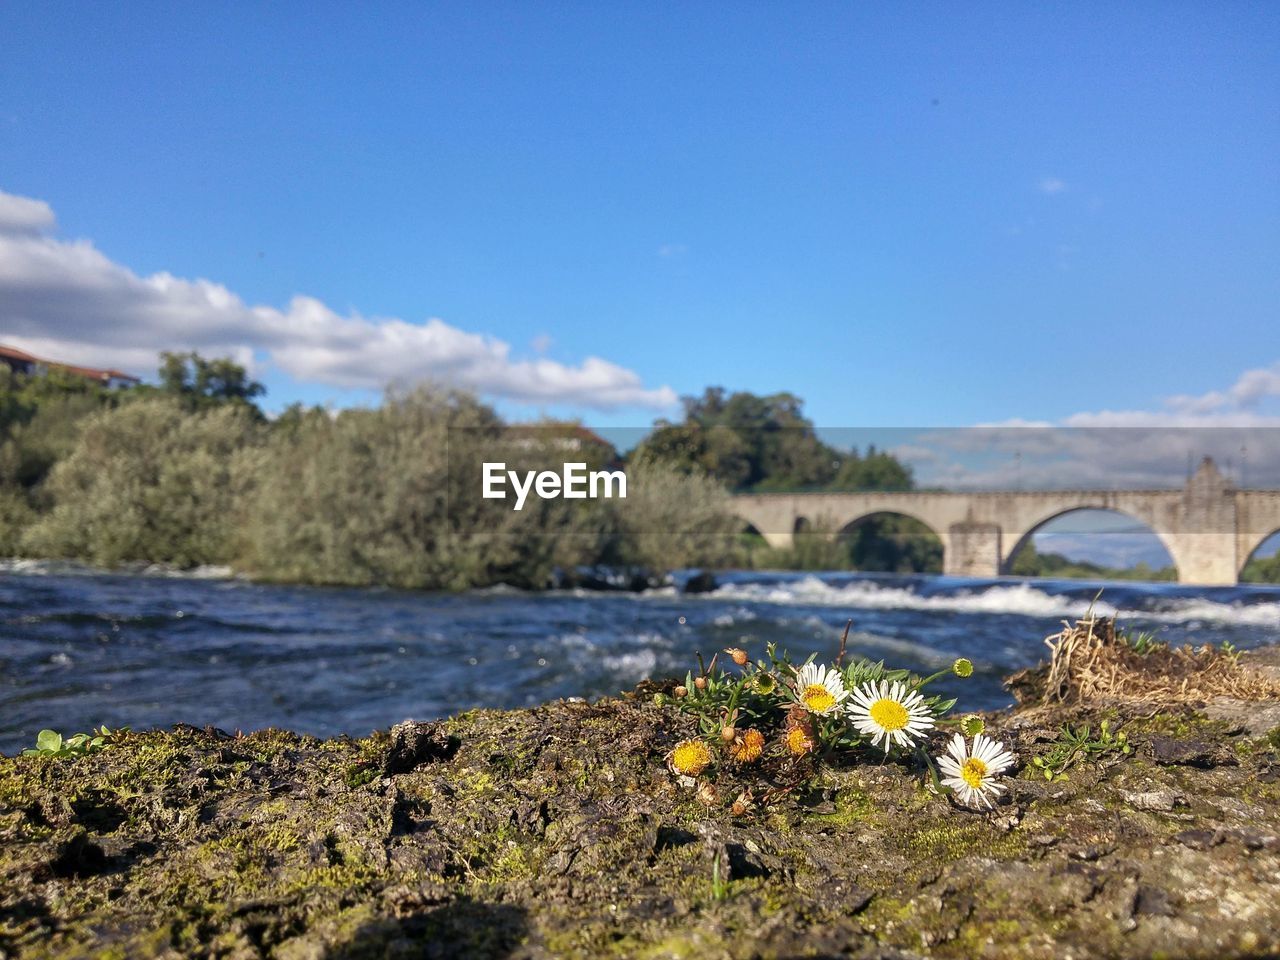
<point x="690" y="757"/>
<point x="747" y="747"/>
<point x="799" y="741"/>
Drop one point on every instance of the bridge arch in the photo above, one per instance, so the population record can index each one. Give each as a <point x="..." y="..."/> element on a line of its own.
<point x="888" y="511"/>
<point x="1252" y="552"/>
<point x="879" y="541"/>
<point x="1015" y="546"/>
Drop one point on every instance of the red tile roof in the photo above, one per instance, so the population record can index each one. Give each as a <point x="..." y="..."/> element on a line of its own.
<point x="91" y="373"/>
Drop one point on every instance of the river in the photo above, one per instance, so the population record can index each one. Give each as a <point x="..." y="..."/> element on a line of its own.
<point x="79" y="649"/>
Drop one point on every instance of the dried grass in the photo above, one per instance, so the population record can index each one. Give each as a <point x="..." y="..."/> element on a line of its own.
<point x="1090" y="661"/>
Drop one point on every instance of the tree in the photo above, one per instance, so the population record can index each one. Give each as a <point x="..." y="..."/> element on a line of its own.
<point x="875" y="471"/>
<point x="198" y="382"/>
<point x="744" y="441"/>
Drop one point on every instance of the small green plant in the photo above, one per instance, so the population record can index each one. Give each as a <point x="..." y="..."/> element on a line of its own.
<point x="50" y="743"/>
<point x="719" y="886"/>
<point x="1075" y="744"/>
<point x="759" y="693"/>
<point x="1144" y="642"/>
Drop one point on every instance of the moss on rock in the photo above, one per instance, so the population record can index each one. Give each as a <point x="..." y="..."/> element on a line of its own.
<point x="558" y="831"/>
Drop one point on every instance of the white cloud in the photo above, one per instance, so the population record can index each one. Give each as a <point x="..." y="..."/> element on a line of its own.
<point x="1052" y="185"/>
<point x="1243" y="396"/>
<point x="68" y="301"/>
<point x="1113" y="449"/>
<point x="19" y="215"/>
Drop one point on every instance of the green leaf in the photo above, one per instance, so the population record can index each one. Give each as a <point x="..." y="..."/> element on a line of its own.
<point x="49" y="741"/>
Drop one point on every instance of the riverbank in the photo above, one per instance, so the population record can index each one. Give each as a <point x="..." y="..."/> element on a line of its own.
<point x="559" y="831"/>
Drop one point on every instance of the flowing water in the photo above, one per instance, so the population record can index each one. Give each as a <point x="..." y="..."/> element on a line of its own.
<point x="79" y="649"/>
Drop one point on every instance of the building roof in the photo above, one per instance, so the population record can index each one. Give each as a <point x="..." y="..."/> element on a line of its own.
<point x="90" y="373"/>
<point x="15" y="354"/>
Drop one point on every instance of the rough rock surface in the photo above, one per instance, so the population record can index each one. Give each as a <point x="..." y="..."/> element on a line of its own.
<point x="559" y="832"/>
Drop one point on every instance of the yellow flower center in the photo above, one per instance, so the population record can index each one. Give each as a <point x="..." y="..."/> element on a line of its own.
<point x="973" y="772"/>
<point x="817" y="698"/>
<point x="691" y="757"/>
<point x="889" y="714"/>
<point x="798" y="741"/>
<point x="748" y="747"/>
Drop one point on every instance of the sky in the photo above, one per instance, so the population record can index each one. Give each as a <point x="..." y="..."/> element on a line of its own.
<point x="908" y="215"/>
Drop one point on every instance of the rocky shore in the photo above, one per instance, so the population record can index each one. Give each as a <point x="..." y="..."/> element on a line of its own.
<point x="559" y="831"/>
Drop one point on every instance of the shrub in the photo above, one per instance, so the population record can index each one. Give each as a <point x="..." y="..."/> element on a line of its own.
<point x="149" y="482"/>
<point x="390" y="496"/>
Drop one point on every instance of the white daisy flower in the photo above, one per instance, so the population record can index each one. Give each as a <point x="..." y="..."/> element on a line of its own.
<point x="890" y="712"/>
<point x="820" y="689"/>
<point x="971" y="773"/>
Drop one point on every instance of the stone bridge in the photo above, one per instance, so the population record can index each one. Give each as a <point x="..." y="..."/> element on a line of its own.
<point x="1209" y="527"/>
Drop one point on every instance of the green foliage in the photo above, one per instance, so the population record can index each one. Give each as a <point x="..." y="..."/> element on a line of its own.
<point x="763" y="694"/>
<point x="748" y="442"/>
<point x="50" y="743"/>
<point x="669" y="520"/>
<point x="719" y="885"/>
<point x="40" y="420"/>
<point x="1075" y="744"/>
<point x="200" y="383"/>
<point x="16" y="515"/>
<point x="874" y="471"/>
<point x="815" y="547"/>
<point x="391" y="496"/>
<point x="1262" y="570"/>
<point x="1143" y="642"/>
<point x="894" y="544"/>
<point x="149" y="482"/>
<point x="1027" y="562"/>
<point x="884" y="543"/>
<point x="779" y="445"/>
<point x="369" y="496"/>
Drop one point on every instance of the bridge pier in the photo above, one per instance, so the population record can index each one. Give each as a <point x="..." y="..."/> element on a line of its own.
<point x="971" y="550"/>
<point x="779" y="541"/>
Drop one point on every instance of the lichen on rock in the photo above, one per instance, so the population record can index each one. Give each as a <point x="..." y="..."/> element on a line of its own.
<point x="559" y="831"/>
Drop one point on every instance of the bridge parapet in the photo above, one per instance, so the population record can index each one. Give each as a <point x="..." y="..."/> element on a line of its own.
<point x="1208" y="527"/>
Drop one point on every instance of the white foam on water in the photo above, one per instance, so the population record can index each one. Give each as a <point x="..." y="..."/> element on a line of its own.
<point x="1023" y="599"/>
<point x="737" y="615"/>
<point x="1185" y="610"/>
<point x="64" y="568"/>
<point x="632" y="667"/>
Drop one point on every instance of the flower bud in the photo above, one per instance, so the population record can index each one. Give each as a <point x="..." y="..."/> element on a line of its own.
<point x="972" y="725"/>
<point x="962" y="668"/>
<point x="728" y="733"/>
<point x="738" y="655"/>
<point x="700" y="683"/>
<point x="765" y="683"/>
<point x="681" y="692"/>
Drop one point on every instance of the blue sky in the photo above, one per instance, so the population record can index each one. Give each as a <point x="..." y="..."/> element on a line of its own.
<point x="907" y="215"/>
